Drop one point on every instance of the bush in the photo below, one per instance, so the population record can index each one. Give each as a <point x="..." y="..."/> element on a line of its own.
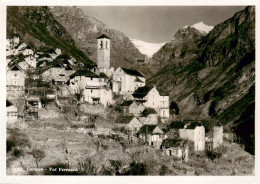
<point x="137" y="169"/>
<point x="163" y="170"/>
<point x="174" y="106"/>
<point x="9" y="145"/>
<point x="212" y="110"/>
<point x="17" y="153"/>
<point x="118" y="109"/>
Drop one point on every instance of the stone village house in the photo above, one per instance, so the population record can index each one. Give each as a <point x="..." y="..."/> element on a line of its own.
<point x="176" y="147"/>
<point x="15" y="81"/>
<point x="12" y="112"/>
<point x="152" y="98"/>
<point x="152" y="135"/>
<point x="57" y="74"/>
<point x="93" y="87"/>
<point x="194" y="132"/>
<point x="126" y="81"/>
<point x="214" y="138"/>
<point x="131" y="124"/>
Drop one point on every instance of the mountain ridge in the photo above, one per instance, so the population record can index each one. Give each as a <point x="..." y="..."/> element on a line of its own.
<point x="215" y="74"/>
<point x="85" y="30"/>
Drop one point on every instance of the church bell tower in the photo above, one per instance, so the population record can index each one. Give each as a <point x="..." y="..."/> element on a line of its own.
<point x="103" y="52"/>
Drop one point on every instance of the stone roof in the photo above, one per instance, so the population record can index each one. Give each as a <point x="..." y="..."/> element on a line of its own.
<point x="147" y="129"/>
<point x="86" y="73"/>
<point x="138" y="80"/>
<point x="127" y="103"/>
<point x="124" y="119"/>
<point x="148" y="111"/>
<point x="8" y="103"/>
<point x="193" y="125"/>
<point x="172" y="142"/>
<point x="15" y="67"/>
<point x="103" y="36"/>
<point x="143" y="91"/>
<point x="132" y="72"/>
<point x="177" y="125"/>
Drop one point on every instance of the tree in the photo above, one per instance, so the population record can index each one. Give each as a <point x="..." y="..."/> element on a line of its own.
<point x="87" y="167"/>
<point x="174" y="106"/>
<point x="137" y="169"/>
<point x="212" y="108"/>
<point x="38" y="155"/>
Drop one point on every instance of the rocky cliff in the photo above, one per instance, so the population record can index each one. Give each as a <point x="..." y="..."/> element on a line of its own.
<point x="211" y="76"/>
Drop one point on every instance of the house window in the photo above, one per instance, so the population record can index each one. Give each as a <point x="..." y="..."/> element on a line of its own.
<point x="15" y="75"/>
<point x="14" y="82"/>
<point x="91" y="90"/>
<point x="91" y="78"/>
<point x="106" y="44"/>
<point x="101" y="44"/>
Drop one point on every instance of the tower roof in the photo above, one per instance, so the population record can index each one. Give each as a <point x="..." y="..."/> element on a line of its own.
<point x="103" y="36"/>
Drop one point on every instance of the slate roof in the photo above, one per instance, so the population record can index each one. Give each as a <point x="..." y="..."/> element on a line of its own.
<point x="193" y="125"/>
<point x="147" y="129"/>
<point x="85" y="73"/>
<point x="15" y="67"/>
<point x="148" y="111"/>
<point x="177" y="124"/>
<point x="132" y="72"/>
<point x="8" y="103"/>
<point x="124" y="119"/>
<point x="103" y="36"/>
<point x="142" y="91"/>
<point x="172" y="142"/>
<point x="138" y="80"/>
<point x="127" y="103"/>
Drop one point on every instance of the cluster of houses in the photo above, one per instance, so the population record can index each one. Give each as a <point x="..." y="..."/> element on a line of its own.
<point x="143" y="106"/>
<point x="176" y="141"/>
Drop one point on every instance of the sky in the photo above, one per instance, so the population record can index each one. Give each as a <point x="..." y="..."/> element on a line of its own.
<point x="157" y="24"/>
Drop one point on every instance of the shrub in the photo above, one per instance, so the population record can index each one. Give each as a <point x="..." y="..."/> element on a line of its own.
<point x="212" y="110"/>
<point x="38" y="155"/>
<point x="163" y="170"/>
<point x="9" y="145"/>
<point x="174" y="106"/>
<point x="87" y="167"/>
<point x="17" y="153"/>
<point x="137" y="169"/>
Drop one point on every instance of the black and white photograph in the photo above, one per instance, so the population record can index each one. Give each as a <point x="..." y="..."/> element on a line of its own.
<point x="130" y="90"/>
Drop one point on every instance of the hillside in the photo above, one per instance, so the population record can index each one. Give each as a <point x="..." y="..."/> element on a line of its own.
<point x="84" y="30"/>
<point x="183" y="44"/>
<point x="37" y="27"/>
<point x="211" y="76"/>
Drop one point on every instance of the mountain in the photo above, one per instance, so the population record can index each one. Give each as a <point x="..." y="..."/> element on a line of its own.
<point x="202" y="27"/>
<point x="146" y="48"/>
<point x="85" y="29"/>
<point x="184" y="42"/>
<point x="37" y="27"/>
<point x="211" y="76"/>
